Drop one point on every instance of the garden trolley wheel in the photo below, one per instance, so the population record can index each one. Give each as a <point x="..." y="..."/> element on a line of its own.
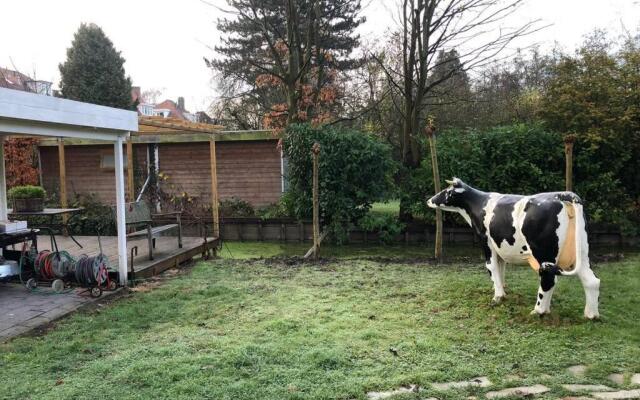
<point x="95" y="292"/>
<point x="57" y="285"/>
<point x="31" y="284"/>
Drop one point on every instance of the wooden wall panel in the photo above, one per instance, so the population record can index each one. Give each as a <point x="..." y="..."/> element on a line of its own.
<point x="248" y="170"/>
<point x="84" y="174"/>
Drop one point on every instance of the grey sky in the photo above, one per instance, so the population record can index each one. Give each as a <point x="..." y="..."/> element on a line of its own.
<point x="164" y="41"/>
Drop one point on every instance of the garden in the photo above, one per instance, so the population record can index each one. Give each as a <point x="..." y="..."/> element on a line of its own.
<point x="342" y="328"/>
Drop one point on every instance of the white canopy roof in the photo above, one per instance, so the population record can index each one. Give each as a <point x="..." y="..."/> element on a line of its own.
<point x="23" y="113"/>
<point x="26" y="113"/>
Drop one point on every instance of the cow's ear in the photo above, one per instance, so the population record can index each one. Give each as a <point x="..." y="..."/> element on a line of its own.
<point x="457" y="182"/>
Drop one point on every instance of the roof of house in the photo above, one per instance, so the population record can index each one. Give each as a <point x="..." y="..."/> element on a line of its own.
<point x="13" y="79"/>
<point x="174" y="111"/>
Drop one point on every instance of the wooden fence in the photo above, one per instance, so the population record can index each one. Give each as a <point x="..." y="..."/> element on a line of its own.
<point x="289" y="230"/>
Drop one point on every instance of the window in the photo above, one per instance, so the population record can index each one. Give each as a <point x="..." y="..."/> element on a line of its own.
<point x="108" y="162"/>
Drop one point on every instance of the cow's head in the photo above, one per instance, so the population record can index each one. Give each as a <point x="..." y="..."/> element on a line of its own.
<point x="452" y="198"/>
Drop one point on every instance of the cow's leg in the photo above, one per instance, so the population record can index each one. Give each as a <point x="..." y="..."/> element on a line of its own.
<point x="503" y="267"/>
<point x="591" y="285"/>
<point x="495" y="270"/>
<point x="548" y="272"/>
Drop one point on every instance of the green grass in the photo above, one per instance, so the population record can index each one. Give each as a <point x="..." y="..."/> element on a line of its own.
<point x="391" y="207"/>
<point x="248" y="250"/>
<point x="262" y="329"/>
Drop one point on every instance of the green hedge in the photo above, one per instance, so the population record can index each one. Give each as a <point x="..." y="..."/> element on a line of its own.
<point x="522" y="159"/>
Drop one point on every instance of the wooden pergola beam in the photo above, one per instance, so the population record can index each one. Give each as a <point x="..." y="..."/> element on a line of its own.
<point x="174" y="123"/>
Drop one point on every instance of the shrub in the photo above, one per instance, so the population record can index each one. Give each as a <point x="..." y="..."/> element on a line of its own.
<point x="386" y="225"/>
<point x="354" y="171"/>
<point x="27" y="192"/>
<point x="275" y="210"/>
<point x="235" y="207"/>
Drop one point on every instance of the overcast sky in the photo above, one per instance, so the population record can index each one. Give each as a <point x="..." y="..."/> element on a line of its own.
<point x="164" y="41"/>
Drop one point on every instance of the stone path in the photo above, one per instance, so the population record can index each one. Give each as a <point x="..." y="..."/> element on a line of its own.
<point x="22" y="311"/>
<point x="582" y="391"/>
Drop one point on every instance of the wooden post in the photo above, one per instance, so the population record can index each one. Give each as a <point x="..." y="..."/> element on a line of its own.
<point x="315" y="150"/>
<point x="430" y="131"/>
<point x="568" y="166"/>
<point x="63" y="184"/>
<point x="214" y="188"/>
<point x="131" y="190"/>
<point x="3" y="184"/>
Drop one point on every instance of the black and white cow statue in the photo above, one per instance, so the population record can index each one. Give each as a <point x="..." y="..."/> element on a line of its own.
<point x="545" y="230"/>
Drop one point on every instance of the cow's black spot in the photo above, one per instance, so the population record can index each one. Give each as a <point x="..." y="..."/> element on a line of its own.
<point x="485" y="248"/>
<point x="540" y="295"/>
<point x="548" y="272"/>
<point x="524" y="248"/>
<point x="501" y="226"/>
<point x="540" y="225"/>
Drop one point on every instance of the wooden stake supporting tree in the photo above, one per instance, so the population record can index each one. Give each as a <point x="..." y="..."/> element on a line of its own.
<point x="315" y="150"/>
<point x="569" y="140"/>
<point x="430" y="131"/>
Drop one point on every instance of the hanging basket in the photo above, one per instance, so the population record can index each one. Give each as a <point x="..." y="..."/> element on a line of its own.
<point x="28" y="205"/>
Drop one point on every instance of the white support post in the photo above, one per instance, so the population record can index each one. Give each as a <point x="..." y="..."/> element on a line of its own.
<point x="120" y="220"/>
<point x="3" y="184"/>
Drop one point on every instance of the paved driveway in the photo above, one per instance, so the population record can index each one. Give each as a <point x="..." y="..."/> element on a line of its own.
<point x="22" y="310"/>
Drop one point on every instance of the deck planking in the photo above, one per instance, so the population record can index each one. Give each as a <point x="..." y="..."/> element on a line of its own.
<point x="165" y="255"/>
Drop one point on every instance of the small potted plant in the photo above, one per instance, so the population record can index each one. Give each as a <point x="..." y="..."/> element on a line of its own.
<point x="27" y="198"/>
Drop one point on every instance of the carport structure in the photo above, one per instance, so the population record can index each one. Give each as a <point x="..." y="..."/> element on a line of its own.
<point x="29" y="114"/>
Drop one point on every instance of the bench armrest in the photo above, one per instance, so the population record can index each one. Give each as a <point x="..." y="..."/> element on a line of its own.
<point x="167" y="214"/>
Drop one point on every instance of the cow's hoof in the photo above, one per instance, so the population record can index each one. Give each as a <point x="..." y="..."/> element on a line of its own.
<point x="540" y="314"/>
<point x="497" y="300"/>
<point x="592" y="317"/>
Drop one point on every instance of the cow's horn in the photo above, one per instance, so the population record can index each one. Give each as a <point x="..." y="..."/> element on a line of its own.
<point x="448" y="182"/>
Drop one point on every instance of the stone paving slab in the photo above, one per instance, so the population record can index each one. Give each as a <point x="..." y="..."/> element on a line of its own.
<point x="481" y="381"/>
<point x="635" y="379"/>
<point x="21" y="310"/>
<point x="577" y="370"/>
<point x="618" y="379"/>
<point x="522" y="391"/>
<point x="586" y="388"/>
<point x="391" y="393"/>
<point x="619" y="395"/>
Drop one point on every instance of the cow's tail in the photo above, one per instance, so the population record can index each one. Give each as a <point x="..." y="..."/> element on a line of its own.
<point x="581" y="239"/>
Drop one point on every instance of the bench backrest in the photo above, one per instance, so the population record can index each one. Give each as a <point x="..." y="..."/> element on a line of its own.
<point x="137" y="213"/>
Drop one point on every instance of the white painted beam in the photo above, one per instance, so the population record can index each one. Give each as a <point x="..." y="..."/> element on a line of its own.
<point x="20" y="127"/>
<point x="120" y="210"/>
<point x="52" y="110"/>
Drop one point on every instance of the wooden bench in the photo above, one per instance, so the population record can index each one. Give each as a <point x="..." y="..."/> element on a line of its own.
<point x="138" y="214"/>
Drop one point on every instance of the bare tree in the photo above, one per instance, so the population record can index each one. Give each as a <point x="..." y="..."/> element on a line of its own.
<point x="426" y="28"/>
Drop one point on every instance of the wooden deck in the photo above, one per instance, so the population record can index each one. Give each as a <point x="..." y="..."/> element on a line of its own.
<point x="166" y="254"/>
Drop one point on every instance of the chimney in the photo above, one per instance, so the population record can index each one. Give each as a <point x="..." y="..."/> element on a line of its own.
<point x="181" y="103"/>
<point x="135" y="93"/>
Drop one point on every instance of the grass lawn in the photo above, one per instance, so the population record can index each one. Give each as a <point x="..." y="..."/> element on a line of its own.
<point x="391" y="207"/>
<point x="263" y="329"/>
